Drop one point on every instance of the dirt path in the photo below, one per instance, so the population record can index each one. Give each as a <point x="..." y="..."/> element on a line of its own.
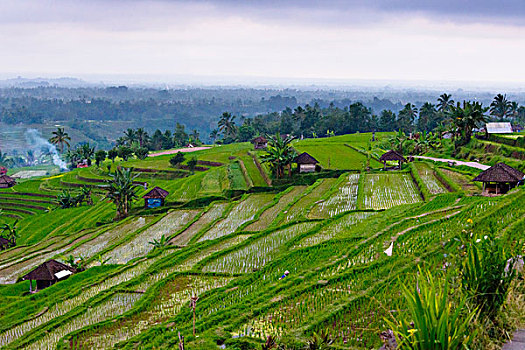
<point x="173" y="151"/>
<point x="457" y="162"/>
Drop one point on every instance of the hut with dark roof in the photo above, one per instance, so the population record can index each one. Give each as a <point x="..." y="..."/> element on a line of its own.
<point x="48" y="274"/>
<point x="306" y="163"/>
<point x="499" y="179"/>
<point x="7" y="181"/>
<point x="155" y="198"/>
<point x="4" y="243"/>
<point x="392" y="156"/>
<point x="260" y="142"/>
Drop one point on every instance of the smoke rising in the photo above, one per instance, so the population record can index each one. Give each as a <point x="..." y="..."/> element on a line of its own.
<point x="40" y="146"/>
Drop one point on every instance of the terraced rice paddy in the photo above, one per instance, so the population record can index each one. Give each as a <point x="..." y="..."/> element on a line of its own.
<point x="344" y="199"/>
<point x="139" y="246"/>
<point x="383" y="191"/>
<point x="259" y="253"/>
<point x="214" y="213"/>
<point x="243" y="212"/>
<point x="433" y="185"/>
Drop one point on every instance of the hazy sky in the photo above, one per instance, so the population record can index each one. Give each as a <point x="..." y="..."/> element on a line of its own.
<point x="447" y="40"/>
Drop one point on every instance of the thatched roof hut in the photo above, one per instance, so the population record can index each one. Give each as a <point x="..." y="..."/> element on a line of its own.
<point x="499" y="178"/>
<point x="7" y="181"/>
<point x="306" y="163"/>
<point x="48" y="274"/>
<point x="392" y="156"/>
<point x="260" y="142"/>
<point x="4" y="243"/>
<point x="155" y="197"/>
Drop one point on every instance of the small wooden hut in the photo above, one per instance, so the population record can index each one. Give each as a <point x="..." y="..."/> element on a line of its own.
<point x="306" y="163"/>
<point x="7" y="181"/>
<point x="48" y="274"/>
<point x="155" y="198"/>
<point x="499" y="179"/>
<point x="4" y="243"/>
<point x="260" y="142"/>
<point x="392" y="156"/>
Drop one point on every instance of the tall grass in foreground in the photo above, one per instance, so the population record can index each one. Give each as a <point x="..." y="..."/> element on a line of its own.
<point x="431" y="322"/>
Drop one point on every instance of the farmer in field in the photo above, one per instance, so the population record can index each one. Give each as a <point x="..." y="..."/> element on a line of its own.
<point x="286" y="273"/>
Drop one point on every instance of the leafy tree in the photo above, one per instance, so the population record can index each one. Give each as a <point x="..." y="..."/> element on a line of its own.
<point x="100" y="156"/>
<point x="122" y="191"/>
<point x="157" y="140"/>
<point x="280" y="154"/>
<point x="195" y="137"/>
<point x="500" y="107"/>
<point x="246" y="133"/>
<point x="10" y="232"/>
<point x="87" y="152"/>
<point x="177" y="159"/>
<point x="60" y="137"/>
<point x="141" y="136"/>
<point x="167" y="141"/>
<point x="112" y="154"/>
<point x="427" y="117"/>
<point x="192" y="163"/>
<point x="125" y="152"/>
<point x="180" y="137"/>
<point x="141" y="153"/>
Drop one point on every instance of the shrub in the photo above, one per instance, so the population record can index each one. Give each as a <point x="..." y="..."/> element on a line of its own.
<point x="177" y="159"/>
<point x="124" y="152"/>
<point x="141" y="153"/>
<point x="192" y="163"/>
<point x="112" y="154"/>
<point x="432" y="323"/>
<point x="100" y="156"/>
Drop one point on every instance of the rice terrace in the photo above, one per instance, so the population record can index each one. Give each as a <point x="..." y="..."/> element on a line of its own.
<point x="262" y="175"/>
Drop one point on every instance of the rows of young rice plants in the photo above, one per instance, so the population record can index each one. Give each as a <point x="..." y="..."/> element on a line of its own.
<point x="301" y="309"/>
<point x="189" y="263"/>
<point x="269" y="215"/>
<point x="215" y="181"/>
<point x="258" y="253"/>
<point x="339" y="228"/>
<point x="426" y="174"/>
<point x="116" y="305"/>
<point x="140" y="246"/>
<point x="308" y="198"/>
<point x="243" y="212"/>
<point x="171" y="298"/>
<point x="113" y="235"/>
<point x="65" y="306"/>
<point x="383" y="191"/>
<point x="344" y="199"/>
<point x="215" y="212"/>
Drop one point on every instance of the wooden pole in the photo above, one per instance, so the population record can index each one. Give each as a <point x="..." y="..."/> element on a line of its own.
<point x="193" y="305"/>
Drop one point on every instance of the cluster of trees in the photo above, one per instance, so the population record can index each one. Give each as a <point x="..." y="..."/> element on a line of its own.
<point x="159" y="140"/>
<point x="68" y="200"/>
<point x="10" y="232"/>
<point x="313" y="120"/>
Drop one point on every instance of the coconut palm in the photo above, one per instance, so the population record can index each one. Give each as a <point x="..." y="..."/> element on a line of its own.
<point x="398" y="141"/>
<point x="500" y="106"/>
<point x="406" y="117"/>
<point x="10" y="232"/>
<point x="121" y="190"/>
<point x="513" y="110"/>
<point x="280" y="154"/>
<point x="445" y="101"/>
<point x="467" y="117"/>
<point x="141" y="136"/>
<point x="214" y="134"/>
<point x="129" y="136"/>
<point x="227" y="125"/>
<point x="60" y="137"/>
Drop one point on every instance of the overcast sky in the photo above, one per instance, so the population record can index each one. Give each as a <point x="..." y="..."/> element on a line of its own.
<point x="447" y="40"/>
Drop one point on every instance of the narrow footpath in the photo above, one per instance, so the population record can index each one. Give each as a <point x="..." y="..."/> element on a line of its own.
<point x="457" y="162"/>
<point x="518" y="341"/>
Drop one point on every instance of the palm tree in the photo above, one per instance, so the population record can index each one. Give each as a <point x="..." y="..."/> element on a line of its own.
<point x="280" y="154"/>
<point x="227" y="125"/>
<point x="444" y="103"/>
<point x="130" y="136"/>
<point x="60" y="137"/>
<point x="500" y="106"/>
<point x="121" y="190"/>
<point x="3" y="159"/>
<point x="467" y="117"/>
<point x="10" y="232"/>
<point x="141" y="136"/>
<point x="513" y="110"/>
<point x="87" y="152"/>
<point x="406" y="117"/>
<point x="398" y="141"/>
<point x="214" y="134"/>
<point x="195" y="136"/>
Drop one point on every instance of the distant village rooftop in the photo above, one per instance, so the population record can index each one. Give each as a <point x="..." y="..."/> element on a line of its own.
<point x="7" y="181"/>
